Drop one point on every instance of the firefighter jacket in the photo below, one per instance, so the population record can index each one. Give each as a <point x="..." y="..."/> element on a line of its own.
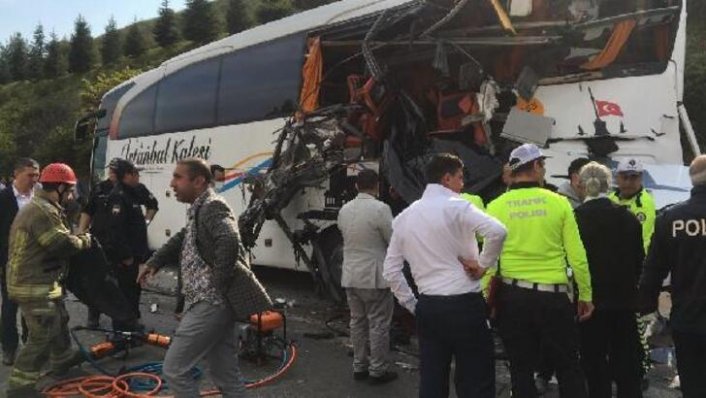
<point x="541" y="235"/>
<point x="127" y="234"/>
<point x="40" y="245"/>
<point x="642" y="205"/>
<point x="679" y="247"/>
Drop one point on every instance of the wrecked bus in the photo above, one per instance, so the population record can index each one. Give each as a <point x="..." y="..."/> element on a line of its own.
<point x="294" y="108"/>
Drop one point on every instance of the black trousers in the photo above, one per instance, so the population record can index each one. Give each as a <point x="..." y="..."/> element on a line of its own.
<point x="8" y="320"/>
<point x="611" y="351"/>
<point x="455" y="327"/>
<point x="127" y="281"/>
<point x="532" y="324"/>
<point x="691" y="362"/>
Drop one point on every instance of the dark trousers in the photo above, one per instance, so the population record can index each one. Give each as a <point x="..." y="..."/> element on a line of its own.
<point x="455" y="327"/>
<point x="127" y="281"/>
<point x="611" y="351"/>
<point x="691" y="362"/>
<point x="532" y="324"/>
<point x="8" y="320"/>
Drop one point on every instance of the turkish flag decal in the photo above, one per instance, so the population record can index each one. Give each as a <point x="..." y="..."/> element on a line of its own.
<point x="606" y="108"/>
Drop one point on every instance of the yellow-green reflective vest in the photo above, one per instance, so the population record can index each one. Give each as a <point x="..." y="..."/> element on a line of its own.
<point x="541" y="235"/>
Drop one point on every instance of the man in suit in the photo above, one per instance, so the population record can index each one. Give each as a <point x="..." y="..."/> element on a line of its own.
<point x="219" y="287"/>
<point x="13" y="198"/>
<point x="366" y="226"/>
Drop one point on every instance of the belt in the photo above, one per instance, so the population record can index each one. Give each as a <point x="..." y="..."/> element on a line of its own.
<point x="540" y="287"/>
<point x="449" y="297"/>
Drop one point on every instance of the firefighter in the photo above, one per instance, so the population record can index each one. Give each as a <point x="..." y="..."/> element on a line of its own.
<point x="534" y="313"/>
<point x="96" y="213"/>
<point x="40" y="244"/>
<point x="126" y="243"/>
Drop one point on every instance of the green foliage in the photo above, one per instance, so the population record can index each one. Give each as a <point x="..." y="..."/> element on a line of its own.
<point x="81" y="50"/>
<point x="695" y="70"/>
<point x="135" y="45"/>
<point x="165" y="30"/>
<point x="111" y="45"/>
<point x="35" y="63"/>
<point x="92" y="90"/>
<point x="200" y="24"/>
<point x="17" y="57"/>
<point x="56" y="63"/>
<point x="308" y="4"/>
<point x="271" y="10"/>
<point x="238" y="18"/>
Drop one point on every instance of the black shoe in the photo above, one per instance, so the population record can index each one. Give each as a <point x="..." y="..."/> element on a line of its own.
<point x="358" y="376"/>
<point x="384" y="378"/>
<point x="8" y="358"/>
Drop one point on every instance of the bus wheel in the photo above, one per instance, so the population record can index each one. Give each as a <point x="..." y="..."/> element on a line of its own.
<point x="328" y="250"/>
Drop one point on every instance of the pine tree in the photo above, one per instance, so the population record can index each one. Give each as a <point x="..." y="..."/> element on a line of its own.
<point x="271" y="10"/>
<point x="200" y="23"/>
<point x="134" y="41"/>
<point x="237" y="17"/>
<point x="17" y="57"/>
<point x="81" y="50"/>
<point x="111" y="48"/>
<point x="165" y="29"/>
<point x="4" y="66"/>
<point x="55" y="64"/>
<point x="35" y="64"/>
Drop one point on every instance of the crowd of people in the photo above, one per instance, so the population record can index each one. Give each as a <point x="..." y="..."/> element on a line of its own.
<point x="563" y="274"/>
<point x="37" y="242"/>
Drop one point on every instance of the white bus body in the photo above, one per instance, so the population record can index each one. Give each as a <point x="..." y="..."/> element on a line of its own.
<point x="647" y="115"/>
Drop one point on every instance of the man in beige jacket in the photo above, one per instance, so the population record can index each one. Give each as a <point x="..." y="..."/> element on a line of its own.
<point x="366" y="225"/>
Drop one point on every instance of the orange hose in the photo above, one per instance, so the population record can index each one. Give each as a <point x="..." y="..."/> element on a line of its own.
<point x="118" y="387"/>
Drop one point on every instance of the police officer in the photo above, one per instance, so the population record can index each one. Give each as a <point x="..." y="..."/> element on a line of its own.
<point x="96" y="215"/>
<point x="679" y="247"/>
<point x="632" y="194"/>
<point x="40" y="243"/>
<point x="534" y="314"/>
<point x="639" y="201"/>
<point x="126" y="243"/>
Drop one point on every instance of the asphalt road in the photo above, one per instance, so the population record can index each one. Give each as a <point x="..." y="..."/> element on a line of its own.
<point x="323" y="367"/>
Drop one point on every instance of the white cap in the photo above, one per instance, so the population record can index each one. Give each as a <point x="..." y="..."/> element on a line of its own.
<point x="631" y="166"/>
<point x="524" y="154"/>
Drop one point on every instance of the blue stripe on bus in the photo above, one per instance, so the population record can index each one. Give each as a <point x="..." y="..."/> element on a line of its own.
<point x="236" y="181"/>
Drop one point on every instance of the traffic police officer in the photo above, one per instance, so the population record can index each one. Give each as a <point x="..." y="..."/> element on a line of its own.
<point x="40" y="243"/>
<point x="534" y="314"/>
<point x="679" y="247"/>
<point x="632" y="194"/>
<point x="126" y="244"/>
<point x="96" y="214"/>
<point x="639" y="201"/>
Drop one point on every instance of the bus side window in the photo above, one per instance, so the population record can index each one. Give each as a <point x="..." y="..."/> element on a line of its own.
<point x="261" y="82"/>
<point x="187" y="97"/>
<point x="137" y="118"/>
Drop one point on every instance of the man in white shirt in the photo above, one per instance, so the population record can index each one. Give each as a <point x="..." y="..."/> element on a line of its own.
<point x="14" y="197"/>
<point x="366" y="226"/>
<point x="435" y="234"/>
